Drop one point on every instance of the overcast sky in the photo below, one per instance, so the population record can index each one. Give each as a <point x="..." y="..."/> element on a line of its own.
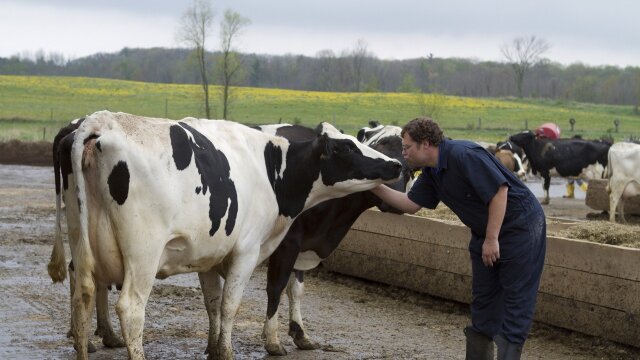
<point x="594" y="32"/>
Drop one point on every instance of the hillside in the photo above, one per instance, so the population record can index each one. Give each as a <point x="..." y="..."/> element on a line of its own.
<point x="35" y="107"/>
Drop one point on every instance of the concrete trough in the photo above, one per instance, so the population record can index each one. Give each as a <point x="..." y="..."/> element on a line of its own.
<point x="586" y="287"/>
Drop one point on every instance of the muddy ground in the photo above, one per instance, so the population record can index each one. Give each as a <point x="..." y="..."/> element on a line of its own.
<point x="353" y="319"/>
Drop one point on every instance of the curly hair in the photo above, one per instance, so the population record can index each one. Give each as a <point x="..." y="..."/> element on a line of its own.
<point x="421" y="129"/>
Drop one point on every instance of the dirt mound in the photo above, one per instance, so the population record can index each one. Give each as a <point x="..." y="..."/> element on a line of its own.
<point x="26" y="153"/>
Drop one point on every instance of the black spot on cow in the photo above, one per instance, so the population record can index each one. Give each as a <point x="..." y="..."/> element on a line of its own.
<point x="293" y="187"/>
<point x="118" y="182"/>
<point x="181" y="147"/>
<point x="214" y="171"/>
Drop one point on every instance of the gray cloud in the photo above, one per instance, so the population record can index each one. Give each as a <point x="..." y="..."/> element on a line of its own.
<point x="590" y="31"/>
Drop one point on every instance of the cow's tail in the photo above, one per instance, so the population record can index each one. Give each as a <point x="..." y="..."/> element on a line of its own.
<point x="57" y="267"/>
<point x="608" y="172"/>
<point x="83" y="163"/>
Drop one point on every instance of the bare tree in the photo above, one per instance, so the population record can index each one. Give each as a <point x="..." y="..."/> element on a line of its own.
<point x="522" y="53"/>
<point x="194" y="27"/>
<point x="229" y="62"/>
<point x="359" y="55"/>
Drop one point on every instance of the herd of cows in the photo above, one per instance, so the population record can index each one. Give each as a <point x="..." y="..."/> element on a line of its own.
<point x="149" y="198"/>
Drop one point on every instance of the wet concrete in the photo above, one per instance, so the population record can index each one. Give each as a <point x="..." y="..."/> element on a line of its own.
<point x="352" y="319"/>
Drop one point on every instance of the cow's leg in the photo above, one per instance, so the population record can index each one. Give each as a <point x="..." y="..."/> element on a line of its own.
<point x="615" y="195"/>
<point x="104" y="328"/>
<point x="281" y="264"/>
<point x="547" y="183"/>
<point x="81" y="308"/>
<point x="136" y="288"/>
<point x="238" y="272"/>
<point x="72" y="283"/>
<point x="211" y="283"/>
<point x="295" y="291"/>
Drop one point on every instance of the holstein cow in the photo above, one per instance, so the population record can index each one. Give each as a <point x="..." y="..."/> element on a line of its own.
<point x="624" y="176"/>
<point x="568" y="157"/>
<point x="317" y="232"/>
<point x="57" y="267"/>
<point x="155" y="197"/>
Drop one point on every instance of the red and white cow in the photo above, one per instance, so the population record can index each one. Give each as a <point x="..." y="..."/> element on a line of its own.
<point x="151" y="198"/>
<point x="624" y="176"/>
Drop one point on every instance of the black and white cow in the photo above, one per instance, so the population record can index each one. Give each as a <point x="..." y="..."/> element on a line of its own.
<point x="568" y="157"/>
<point x="56" y="267"/>
<point x="151" y="198"/>
<point x="317" y="232"/>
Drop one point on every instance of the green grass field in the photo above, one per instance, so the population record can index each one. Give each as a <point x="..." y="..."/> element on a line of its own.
<point x="35" y="107"/>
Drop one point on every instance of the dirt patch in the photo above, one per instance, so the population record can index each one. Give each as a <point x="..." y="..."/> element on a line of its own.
<point x="26" y="153"/>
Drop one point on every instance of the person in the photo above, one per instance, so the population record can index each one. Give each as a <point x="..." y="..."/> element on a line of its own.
<point x="571" y="184"/>
<point x="508" y="232"/>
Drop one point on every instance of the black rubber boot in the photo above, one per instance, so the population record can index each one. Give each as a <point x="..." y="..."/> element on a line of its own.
<point x="479" y="347"/>
<point x="508" y="350"/>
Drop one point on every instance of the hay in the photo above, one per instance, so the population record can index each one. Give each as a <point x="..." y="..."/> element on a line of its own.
<point x="604" y="232"/>
<point x="441" y="212"/>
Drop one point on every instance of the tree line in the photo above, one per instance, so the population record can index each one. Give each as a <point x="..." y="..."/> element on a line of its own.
<point x="352" y="70"/>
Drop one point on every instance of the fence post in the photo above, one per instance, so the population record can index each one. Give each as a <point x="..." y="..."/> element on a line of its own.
<point x="166" y="108"/>
<point x="44" y="133"/>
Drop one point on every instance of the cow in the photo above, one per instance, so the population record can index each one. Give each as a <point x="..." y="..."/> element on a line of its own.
<point x="567" y="156"/>
<point x="624" y="176"/>
<point x="151" y="198"/>
<point x="56" y="266"/>
<point x="317" y="232"/>
<point x="517" y="150"/>
<point x="512" y="162"/>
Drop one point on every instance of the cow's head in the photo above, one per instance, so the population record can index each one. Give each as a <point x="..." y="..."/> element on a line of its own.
<point x="387" y="140"/>
<point x="523" y="138"/>
<point x="350" y="166"/>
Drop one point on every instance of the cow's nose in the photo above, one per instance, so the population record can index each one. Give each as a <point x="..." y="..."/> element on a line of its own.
<point x="397" y="165"/>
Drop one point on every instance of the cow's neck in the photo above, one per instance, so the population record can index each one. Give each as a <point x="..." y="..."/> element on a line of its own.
<point x="293" y="185"/>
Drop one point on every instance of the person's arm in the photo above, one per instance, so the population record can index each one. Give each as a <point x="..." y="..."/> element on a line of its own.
<point x="397" y="199"/>
<point x="497" y="209"/>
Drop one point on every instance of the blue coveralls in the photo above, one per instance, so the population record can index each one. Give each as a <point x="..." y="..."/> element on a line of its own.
<point x="466" y="178"/>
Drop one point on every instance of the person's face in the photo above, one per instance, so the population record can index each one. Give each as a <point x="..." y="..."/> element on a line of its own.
<point x="419" y="154"/>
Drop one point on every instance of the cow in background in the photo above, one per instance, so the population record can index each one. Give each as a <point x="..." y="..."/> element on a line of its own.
<point x="568" y="157"/>
<point x="317" y="232"/>
<point x="238" y="190"/>
<point x="512" y="162"/>
<point x="624" y="176"/>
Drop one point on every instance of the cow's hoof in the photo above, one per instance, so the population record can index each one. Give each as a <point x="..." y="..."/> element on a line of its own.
<point x="112" y="341"/>
<point x="306" y="344"/>
<point x="90" y="347"/>
<point x="276" y="349"/>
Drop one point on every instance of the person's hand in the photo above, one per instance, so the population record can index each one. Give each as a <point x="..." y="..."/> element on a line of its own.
<point x="490" y="251"/>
